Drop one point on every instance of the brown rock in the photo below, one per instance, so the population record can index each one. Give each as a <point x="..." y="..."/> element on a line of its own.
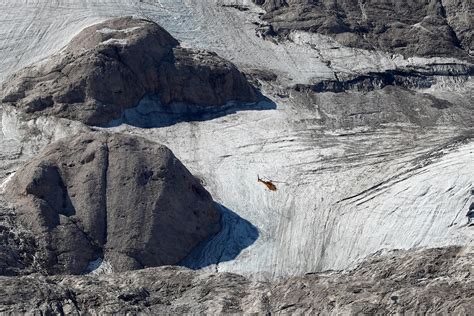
<point x="121" y="198"/>
<point x="411" y="28"/>
<point x="111" y="66"/>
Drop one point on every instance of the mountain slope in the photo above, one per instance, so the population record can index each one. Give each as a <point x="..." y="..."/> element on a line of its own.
<point x="359" y="165"/>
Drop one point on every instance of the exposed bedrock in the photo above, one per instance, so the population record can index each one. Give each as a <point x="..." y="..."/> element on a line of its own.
<point x="411" y="28"/>
<point x="111" y="66"/>
<point x="111" y="197"/>
<point x="454" y="75"/>
<point x="388" y="105"/>
<point x="16" y="245"/>
<point x="434" y="281"/>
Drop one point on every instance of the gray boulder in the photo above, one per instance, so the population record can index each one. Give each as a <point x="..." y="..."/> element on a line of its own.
<point x="105" y="196"/>
<point x="111" y="66"/>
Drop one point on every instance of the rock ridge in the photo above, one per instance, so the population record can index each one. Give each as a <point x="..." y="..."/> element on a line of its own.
<point x="424" y="281"/>
<point x="406" y="78"/>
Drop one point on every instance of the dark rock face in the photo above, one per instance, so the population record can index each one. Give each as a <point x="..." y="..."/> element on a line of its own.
<point x="405" y="78"/>
<point x="121" y="198"/>
<point x="435" y="281"/>
<point x="421" y="28"/>
<point x="16" y="246"/>
<point x="112" y="65"/>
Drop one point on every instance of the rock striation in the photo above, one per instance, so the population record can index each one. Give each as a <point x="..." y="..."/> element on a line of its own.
<point x="109" y="197"/>
<point x="411" y="28"/>
<point x="111" y="66"/>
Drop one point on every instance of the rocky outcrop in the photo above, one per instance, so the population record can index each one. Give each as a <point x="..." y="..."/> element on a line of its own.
<point x="435" y="281"/>
<point x="411" y="28"/>
<point x="458" y="15"/>
<point x="109" y="197"/>
<point x="111" y="66"/>
<point x="17" y="245"/>
<point x="405" y="78"/>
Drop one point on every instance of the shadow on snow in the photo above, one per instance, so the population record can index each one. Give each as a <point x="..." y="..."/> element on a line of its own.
<point x="236" y="234"/>
<point x="151" y="113"/>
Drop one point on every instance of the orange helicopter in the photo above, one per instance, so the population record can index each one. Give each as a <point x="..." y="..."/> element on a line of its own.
<point x="269" y="184"/>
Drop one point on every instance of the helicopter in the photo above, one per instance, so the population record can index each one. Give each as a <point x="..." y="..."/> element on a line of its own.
<point x="269" y="184"/>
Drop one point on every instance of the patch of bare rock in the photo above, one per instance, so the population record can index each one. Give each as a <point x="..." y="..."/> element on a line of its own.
<point x="411" y="28"/>
<point x="434" y="281"/>
<point x="111" y="66"/>
<point x="107" y="197"/>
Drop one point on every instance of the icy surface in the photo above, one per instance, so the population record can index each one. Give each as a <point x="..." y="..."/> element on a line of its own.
<point x="32" y="30"/>
<point x="98" y="267"/>
<point x="342" y="194"/>
<point x="5" y="182"/>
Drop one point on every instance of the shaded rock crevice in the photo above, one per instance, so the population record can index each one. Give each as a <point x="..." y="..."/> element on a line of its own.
<point x="410" y="79"/>
<point x="105" y="189"/>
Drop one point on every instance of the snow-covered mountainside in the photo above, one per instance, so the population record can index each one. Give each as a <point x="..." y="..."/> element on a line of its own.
<point x="369" y="150"/>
